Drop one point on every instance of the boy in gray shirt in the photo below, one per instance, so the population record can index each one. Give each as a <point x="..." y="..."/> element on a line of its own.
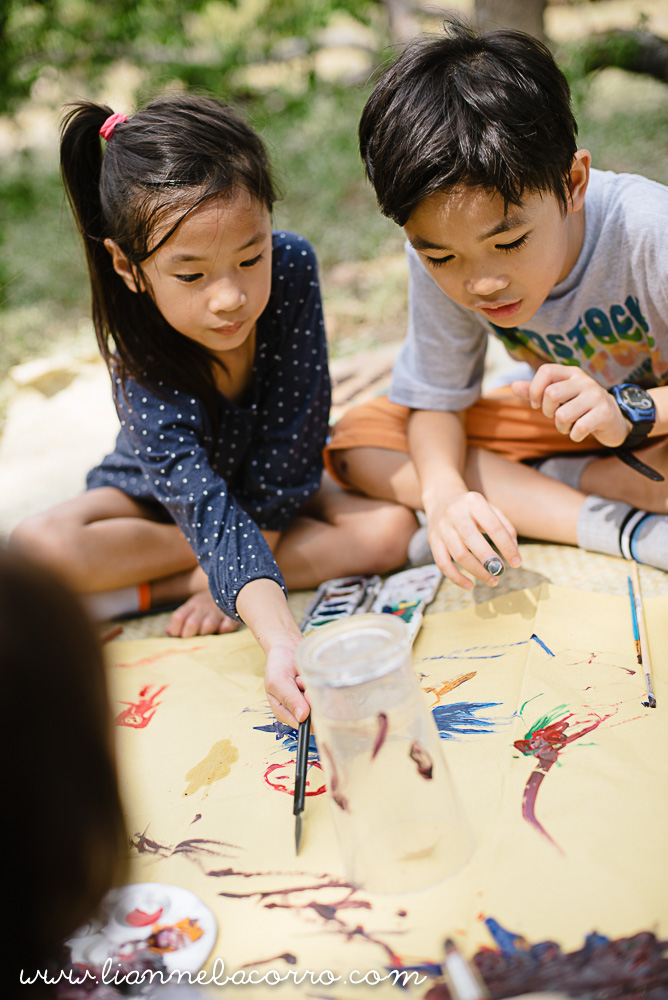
<point x="470" y="144"/>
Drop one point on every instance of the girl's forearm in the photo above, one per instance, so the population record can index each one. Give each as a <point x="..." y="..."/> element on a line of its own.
<point x="262" y="605"/>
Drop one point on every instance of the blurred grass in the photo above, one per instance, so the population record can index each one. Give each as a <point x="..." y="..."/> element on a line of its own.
<point x="312" y="140"/>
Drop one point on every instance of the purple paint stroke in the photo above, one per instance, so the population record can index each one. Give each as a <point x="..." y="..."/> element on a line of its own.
<point x="334" y="786"/>
<point x="425" y="764"/>
<point x="382" y="733"/>
<point x="529" y="806"/>
<point x="193" y="849"/>
<point x="262" y="894"/>
<point x="287" y="957"/>
<point x="626" y="968"/>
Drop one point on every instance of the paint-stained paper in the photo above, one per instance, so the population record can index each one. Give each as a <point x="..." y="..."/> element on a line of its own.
<point x="561" y="769"/>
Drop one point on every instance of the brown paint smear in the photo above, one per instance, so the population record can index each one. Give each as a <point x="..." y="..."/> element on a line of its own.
<point x="216" y="765"/>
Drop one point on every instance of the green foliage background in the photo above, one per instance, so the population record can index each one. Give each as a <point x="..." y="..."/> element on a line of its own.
<point x="72" y="48"/>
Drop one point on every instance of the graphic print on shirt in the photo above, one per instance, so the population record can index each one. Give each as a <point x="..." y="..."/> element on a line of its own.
<point x="620" y="335"/>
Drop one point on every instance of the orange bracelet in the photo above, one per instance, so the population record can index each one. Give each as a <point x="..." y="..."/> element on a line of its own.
<point x="144" y="596"/>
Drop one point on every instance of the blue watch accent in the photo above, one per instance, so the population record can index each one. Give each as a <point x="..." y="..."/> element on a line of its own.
<point x="638" y="407"/>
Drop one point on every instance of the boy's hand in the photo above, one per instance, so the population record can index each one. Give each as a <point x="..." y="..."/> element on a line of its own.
<point x="578" y="405"/>
<point x="284" y="686"/>
<point x="455" y="529"/>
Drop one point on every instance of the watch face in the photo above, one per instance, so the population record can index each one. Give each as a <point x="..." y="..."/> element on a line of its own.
<point x="636" y="398"/>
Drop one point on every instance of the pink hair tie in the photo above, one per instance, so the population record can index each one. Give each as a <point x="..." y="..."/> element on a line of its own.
<point x="112" y="121"/>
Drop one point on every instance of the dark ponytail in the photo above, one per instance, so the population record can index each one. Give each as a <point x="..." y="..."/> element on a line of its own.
<point x="81" y="160"/>
<point x="159" y="165"/>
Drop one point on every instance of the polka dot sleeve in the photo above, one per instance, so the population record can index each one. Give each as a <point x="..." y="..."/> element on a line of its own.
<point x="260" y="460"/>
<point x="284" y="467"/>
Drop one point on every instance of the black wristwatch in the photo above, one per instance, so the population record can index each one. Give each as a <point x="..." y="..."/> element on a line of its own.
<point x="638" y="407"/>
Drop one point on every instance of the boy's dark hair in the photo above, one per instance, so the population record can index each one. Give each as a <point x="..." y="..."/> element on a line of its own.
<point x="169" y="157"/>
<point x="490" y="111"/>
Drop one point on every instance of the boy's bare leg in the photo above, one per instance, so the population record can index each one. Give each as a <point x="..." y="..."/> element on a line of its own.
<point x="538" y="506"/>
<point x="611" y="478"/>
<point x="341" y="533"/>
<point x="104" y="540"/>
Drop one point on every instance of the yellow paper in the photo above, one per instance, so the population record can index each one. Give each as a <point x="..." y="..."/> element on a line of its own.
<point x="207" y="783"/>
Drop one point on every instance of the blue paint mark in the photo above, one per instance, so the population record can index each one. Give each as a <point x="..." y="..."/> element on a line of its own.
<point x="279" y="728"/>
<point x="288" y="736"/>
<point x="464" y="655"/>
<point x="430" y="969"/>
<point x="472" y="652"/>
<point x="509" y="943"/>
<point x="542" y="645"/>
<point x="594" y="941"/>
<point x="460" y="719"/>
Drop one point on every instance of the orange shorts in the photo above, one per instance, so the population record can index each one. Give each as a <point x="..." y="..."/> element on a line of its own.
<point x="499" y="422"/>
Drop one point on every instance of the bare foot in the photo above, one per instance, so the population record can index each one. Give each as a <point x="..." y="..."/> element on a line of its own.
<point x="200" y="615"/>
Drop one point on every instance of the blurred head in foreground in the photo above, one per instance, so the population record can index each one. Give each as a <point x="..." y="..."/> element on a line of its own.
<point x="62" y="825"/>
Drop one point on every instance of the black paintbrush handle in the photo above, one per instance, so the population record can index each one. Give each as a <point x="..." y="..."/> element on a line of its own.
<point x="303" y="737"/>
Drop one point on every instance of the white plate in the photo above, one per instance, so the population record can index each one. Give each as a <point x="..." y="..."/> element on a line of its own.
<point x="129" y="916"/>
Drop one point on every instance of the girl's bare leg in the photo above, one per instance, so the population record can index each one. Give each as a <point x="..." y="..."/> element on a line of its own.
<point x="538" y="506"/>
<point x="103" y="540"/>
<point x="341" y="533"/>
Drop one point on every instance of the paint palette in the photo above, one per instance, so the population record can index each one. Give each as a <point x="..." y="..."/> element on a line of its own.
<point x="407" y="594"/>
<point x="404" y="594"/>
<point x="147" y="924"/>
<point x="339" y="598"/>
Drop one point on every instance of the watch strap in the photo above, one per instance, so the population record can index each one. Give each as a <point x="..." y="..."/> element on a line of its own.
<point x="638" y="434"/>
<point x="635" y="463"/>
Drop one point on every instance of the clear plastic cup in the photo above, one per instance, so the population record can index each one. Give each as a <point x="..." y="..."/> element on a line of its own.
<point x="398" y="821"/>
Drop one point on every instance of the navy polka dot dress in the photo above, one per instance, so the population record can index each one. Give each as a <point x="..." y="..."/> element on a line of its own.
<point x="262" y="461"/>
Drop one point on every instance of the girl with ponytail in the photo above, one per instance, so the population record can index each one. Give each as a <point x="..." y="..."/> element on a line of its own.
<point x="211" y="326"/>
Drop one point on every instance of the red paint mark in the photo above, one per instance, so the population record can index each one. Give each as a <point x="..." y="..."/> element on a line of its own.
<point x="139" y="713"/>
<point x="145" y="660"/>
<point x="138" y="918"/>
<point x="546" y="743"/>
<point x="285" y="782"/>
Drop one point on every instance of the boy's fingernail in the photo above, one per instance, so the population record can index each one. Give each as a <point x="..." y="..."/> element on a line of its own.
<point x="516" y="561"/>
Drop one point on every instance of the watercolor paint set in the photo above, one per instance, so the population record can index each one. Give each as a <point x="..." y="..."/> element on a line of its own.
<point x="339" y="598"/>
<point x="405" y="594"/>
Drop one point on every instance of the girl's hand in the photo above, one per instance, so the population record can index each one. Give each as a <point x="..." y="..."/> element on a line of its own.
<point x="283" y="684"/>
<point x="262" y="605"/>
<point x="455" y="528"/>
<point x="578" y="405"/>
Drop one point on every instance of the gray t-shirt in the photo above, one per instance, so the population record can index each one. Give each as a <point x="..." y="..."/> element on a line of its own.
<point x="609" y="315"/>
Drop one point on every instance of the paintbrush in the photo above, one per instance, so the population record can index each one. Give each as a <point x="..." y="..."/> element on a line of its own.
<point x="303" y="737"/>
<point x="640" y="634"/>
<point x="461" y="979"/>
